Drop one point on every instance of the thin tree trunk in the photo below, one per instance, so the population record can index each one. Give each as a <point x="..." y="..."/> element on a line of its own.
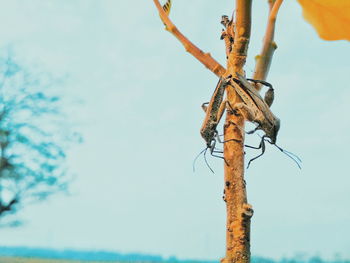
<point x="239" y="212"/>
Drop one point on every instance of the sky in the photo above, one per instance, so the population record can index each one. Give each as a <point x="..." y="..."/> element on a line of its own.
<point x="138" y="96"/>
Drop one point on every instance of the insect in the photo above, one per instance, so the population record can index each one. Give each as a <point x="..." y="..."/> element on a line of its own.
<point x="214" y="111"/>
<point x="167" y="7"/>
<point x="257" y="110"/>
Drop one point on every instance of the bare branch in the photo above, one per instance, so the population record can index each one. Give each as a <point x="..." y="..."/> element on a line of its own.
<point x="238" y="55"/>
<point x="263" y="61"/>
<point x="205" y="58"/>
<point x="8" y="207"/>
<point x="238" y="210"/>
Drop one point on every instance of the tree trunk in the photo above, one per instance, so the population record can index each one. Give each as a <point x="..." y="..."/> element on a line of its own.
<point x="239" y="212"/>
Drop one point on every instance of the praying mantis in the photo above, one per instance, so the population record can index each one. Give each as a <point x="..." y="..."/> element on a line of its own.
<point x="253" y="107"/>
<point x="214" y="112"/>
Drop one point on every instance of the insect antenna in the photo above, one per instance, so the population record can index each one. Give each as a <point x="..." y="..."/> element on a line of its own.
<point x="262" y="146"/>
<point x="217" y="150"/>
<point x="205" y="159"/>
<point x="291" y="155"/>
<point x="195" y="159"/>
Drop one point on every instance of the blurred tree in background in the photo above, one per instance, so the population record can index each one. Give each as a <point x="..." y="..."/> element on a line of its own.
<point x="34" y="137"/>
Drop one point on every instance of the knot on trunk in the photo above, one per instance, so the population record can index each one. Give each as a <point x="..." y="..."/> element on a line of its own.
<point x="247" y="211"/>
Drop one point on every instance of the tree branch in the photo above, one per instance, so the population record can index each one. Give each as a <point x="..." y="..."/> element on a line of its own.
<point x="238" y="55"/>
<point x="263" y="61"/>
<point x="8" y="207"/>
<point x="205" y="58"/>
<point x="238" y="210"/>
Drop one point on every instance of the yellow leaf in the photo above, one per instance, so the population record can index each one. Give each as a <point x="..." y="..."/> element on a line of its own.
<point x="330" y="18"/>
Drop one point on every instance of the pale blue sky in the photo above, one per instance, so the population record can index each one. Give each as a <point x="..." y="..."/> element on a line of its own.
<point x="135" y="190"/>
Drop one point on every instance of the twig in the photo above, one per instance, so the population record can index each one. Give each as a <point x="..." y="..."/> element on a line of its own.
<point x="263" y="61"/>
<point x="205" y="58"/>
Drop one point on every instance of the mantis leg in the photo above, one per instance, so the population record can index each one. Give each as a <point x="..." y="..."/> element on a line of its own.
<point x="212" y="151"/>
<point x="270" y="94"/>
<point x="265" y="83"/>
<point x="219" y="140"/>
<point x="230" y="140"/>
<point x="252" y="131"/>
<point x="221" y="110"/>
<point x="262" y="146"/>
<point x="230" y="106"/>
<point x="247" y="112"/>
<point x="205" y="106"/>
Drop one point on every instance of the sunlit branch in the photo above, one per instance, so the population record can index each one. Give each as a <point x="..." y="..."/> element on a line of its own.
<point x="238" y="211"/>
<point x="205" y="58"/>
<point x="263" y="61"/>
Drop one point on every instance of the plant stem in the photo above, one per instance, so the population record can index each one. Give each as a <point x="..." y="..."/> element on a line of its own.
<point x="238" y="210"/>
<point x="205" y="58"/>
<point x="263" y="61"/>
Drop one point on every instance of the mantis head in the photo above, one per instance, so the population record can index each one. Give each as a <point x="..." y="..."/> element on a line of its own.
<point x="272" y="132"/>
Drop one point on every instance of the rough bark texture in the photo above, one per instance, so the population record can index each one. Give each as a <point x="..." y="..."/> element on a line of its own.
<point x="238" y="210"/>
